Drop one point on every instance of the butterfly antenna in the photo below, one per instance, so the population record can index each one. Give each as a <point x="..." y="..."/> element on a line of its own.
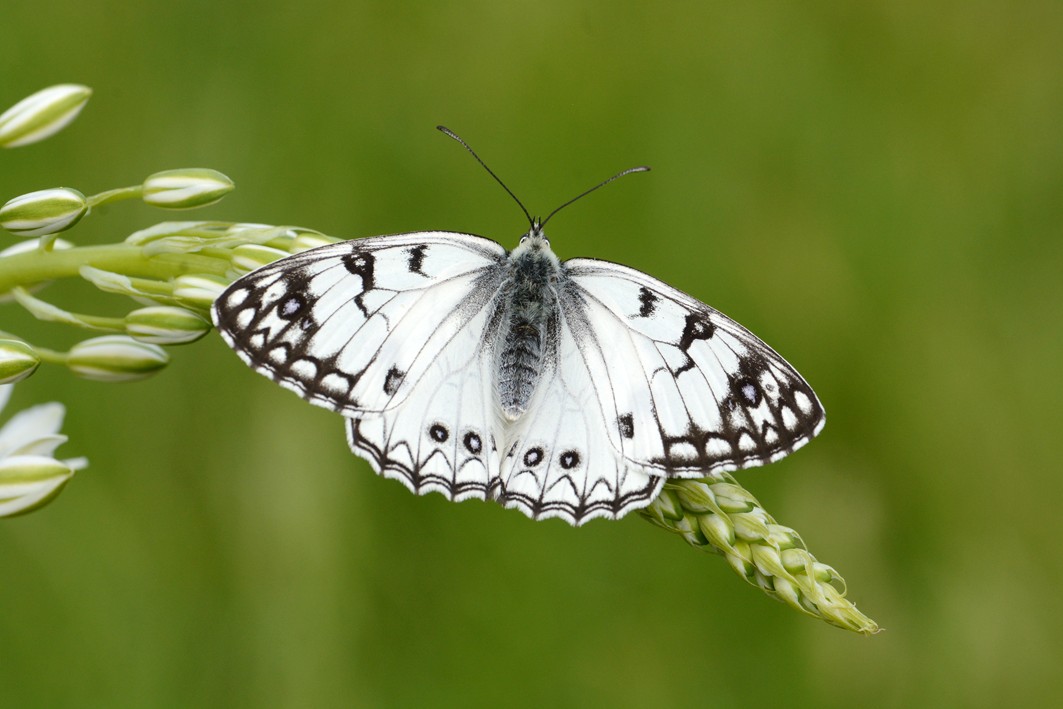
<point x="452" y="134"/>
<point x="640" y="168"/>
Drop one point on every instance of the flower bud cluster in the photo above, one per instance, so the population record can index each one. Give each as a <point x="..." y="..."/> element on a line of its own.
<point x="174" y="271"/>
<point x="201" y="258"/>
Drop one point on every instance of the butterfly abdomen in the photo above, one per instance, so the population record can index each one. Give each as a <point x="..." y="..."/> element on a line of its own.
<point x="519" y="365"/>
<point x="530" y="304"/>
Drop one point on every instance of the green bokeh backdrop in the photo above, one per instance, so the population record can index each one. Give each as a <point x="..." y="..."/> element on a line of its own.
<point x="875" y="188"/>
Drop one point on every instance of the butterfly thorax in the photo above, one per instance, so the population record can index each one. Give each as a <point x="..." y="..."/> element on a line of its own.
<point x="529" y="300"/>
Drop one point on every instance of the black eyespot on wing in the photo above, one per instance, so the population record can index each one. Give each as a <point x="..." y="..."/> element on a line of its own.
<point x="361" y="264"/>
<point x="291" y="306"/>
<point x="626" y="423"/>
<point x="438" y="433"/>
<point x="569" y="459"/>
<point x="472" y="442"/>
<point x="533" y="457"/>
<point x="746" y="391"/>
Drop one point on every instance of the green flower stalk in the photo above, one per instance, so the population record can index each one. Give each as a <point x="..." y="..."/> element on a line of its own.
<point x="716" y="514"/>
<point x="180" y="267"/>
<point x="42" y="115"/>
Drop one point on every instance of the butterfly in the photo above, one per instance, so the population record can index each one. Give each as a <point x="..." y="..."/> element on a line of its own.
<point x="569" y="389"/>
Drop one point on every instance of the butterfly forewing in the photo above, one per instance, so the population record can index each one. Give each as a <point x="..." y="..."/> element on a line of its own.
<point x="348" y="326"/>
<point x="687" y="389"/>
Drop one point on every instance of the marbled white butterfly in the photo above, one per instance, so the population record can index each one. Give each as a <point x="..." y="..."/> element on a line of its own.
<point x="567" y="389"/>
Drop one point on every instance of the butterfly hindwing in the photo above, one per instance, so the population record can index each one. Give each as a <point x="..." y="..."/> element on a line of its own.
<point x="560" y="461"/>
<point x="443" y="436"/>
<point x="687" y="390"/>
<point x="348" y="326"/>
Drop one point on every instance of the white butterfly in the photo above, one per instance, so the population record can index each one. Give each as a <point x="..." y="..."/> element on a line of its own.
<point x="564" y="389"/>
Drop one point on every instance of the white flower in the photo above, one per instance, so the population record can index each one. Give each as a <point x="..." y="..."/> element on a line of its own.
<point x="30" y="475"/>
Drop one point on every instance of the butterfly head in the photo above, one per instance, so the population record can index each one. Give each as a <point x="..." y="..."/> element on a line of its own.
<point x="535" y="233"/>
<point x="534" y="246"/>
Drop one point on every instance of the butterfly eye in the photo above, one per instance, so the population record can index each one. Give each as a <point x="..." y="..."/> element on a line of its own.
<point x="523" y="239"/>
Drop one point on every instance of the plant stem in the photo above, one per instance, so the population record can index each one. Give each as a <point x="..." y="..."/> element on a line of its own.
<point x="36" y="266"/>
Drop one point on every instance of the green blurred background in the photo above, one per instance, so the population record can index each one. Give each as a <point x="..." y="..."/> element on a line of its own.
<point x="875" y="188"/>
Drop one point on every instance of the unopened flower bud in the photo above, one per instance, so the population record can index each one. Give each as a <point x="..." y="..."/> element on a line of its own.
<point x="115" y="358"/>
<point x="28" y="482"/>
<point x="43" y="212"/>
<point x="185" y="189"/>
<point x="17" y="361"/>
<point x="248" y="257"/>
<point x="199" y="290"/>
<point x="41" y="115"/>
<point x="166" y="325"/>
<point x="307" y="240"/>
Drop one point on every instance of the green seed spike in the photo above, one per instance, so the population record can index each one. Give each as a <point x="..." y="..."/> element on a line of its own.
<point x="718" y="515"/>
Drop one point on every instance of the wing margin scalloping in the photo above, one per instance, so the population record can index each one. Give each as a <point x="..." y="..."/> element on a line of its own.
<point x="690" y="391"/>
<point x="356" y="349"/>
